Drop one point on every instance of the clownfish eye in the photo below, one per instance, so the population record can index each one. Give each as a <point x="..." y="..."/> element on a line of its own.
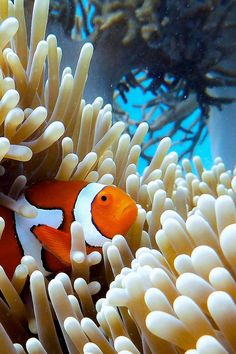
<point x="104" y="199"/>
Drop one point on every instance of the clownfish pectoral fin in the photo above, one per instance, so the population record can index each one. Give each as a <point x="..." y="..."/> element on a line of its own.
<point x="55" y="241"/>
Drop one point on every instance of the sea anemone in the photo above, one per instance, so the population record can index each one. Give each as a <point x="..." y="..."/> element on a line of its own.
<point x="168" y="286"/>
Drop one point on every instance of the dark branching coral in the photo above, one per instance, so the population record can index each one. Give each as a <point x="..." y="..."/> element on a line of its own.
<point x="194" y="38"/>
<point x="63" y="11"/>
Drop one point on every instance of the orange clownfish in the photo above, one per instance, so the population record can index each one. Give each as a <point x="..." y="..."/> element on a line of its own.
<point x="103" y="211"/>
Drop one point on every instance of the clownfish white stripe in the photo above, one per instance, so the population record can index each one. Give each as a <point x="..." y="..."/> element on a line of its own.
<point x="82" y="213"/>
<point x="29" y="243"/>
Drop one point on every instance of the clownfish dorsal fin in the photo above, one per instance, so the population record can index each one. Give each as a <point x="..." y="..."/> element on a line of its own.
<point x="55" y="241"/>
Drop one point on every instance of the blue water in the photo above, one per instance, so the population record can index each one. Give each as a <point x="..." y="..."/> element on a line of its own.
<point x="137" y="97"/>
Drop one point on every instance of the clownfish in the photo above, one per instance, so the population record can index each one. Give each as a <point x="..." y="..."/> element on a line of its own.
<point x="103" y="211"/>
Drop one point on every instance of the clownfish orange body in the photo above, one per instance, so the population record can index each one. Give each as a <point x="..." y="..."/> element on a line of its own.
<point x="103" y="211"/>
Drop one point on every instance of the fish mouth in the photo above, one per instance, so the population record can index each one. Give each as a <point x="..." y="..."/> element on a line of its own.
<point x="130" y="211"/>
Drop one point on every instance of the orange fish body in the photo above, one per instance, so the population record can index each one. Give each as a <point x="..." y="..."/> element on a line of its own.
<point x="103" y="212"/>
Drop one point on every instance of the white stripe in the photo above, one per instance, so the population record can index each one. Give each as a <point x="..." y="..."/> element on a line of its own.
<point x="82" y="213"/>
<point x="31" y="246"/>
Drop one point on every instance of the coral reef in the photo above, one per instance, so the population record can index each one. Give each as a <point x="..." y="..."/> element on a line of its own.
<point x="184" y="52"/>
<point x="168" y="286"/>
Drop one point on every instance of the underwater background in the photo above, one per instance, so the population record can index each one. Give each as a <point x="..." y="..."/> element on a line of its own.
<point x="203" y="149"/>
<point x="137" y="97"/>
